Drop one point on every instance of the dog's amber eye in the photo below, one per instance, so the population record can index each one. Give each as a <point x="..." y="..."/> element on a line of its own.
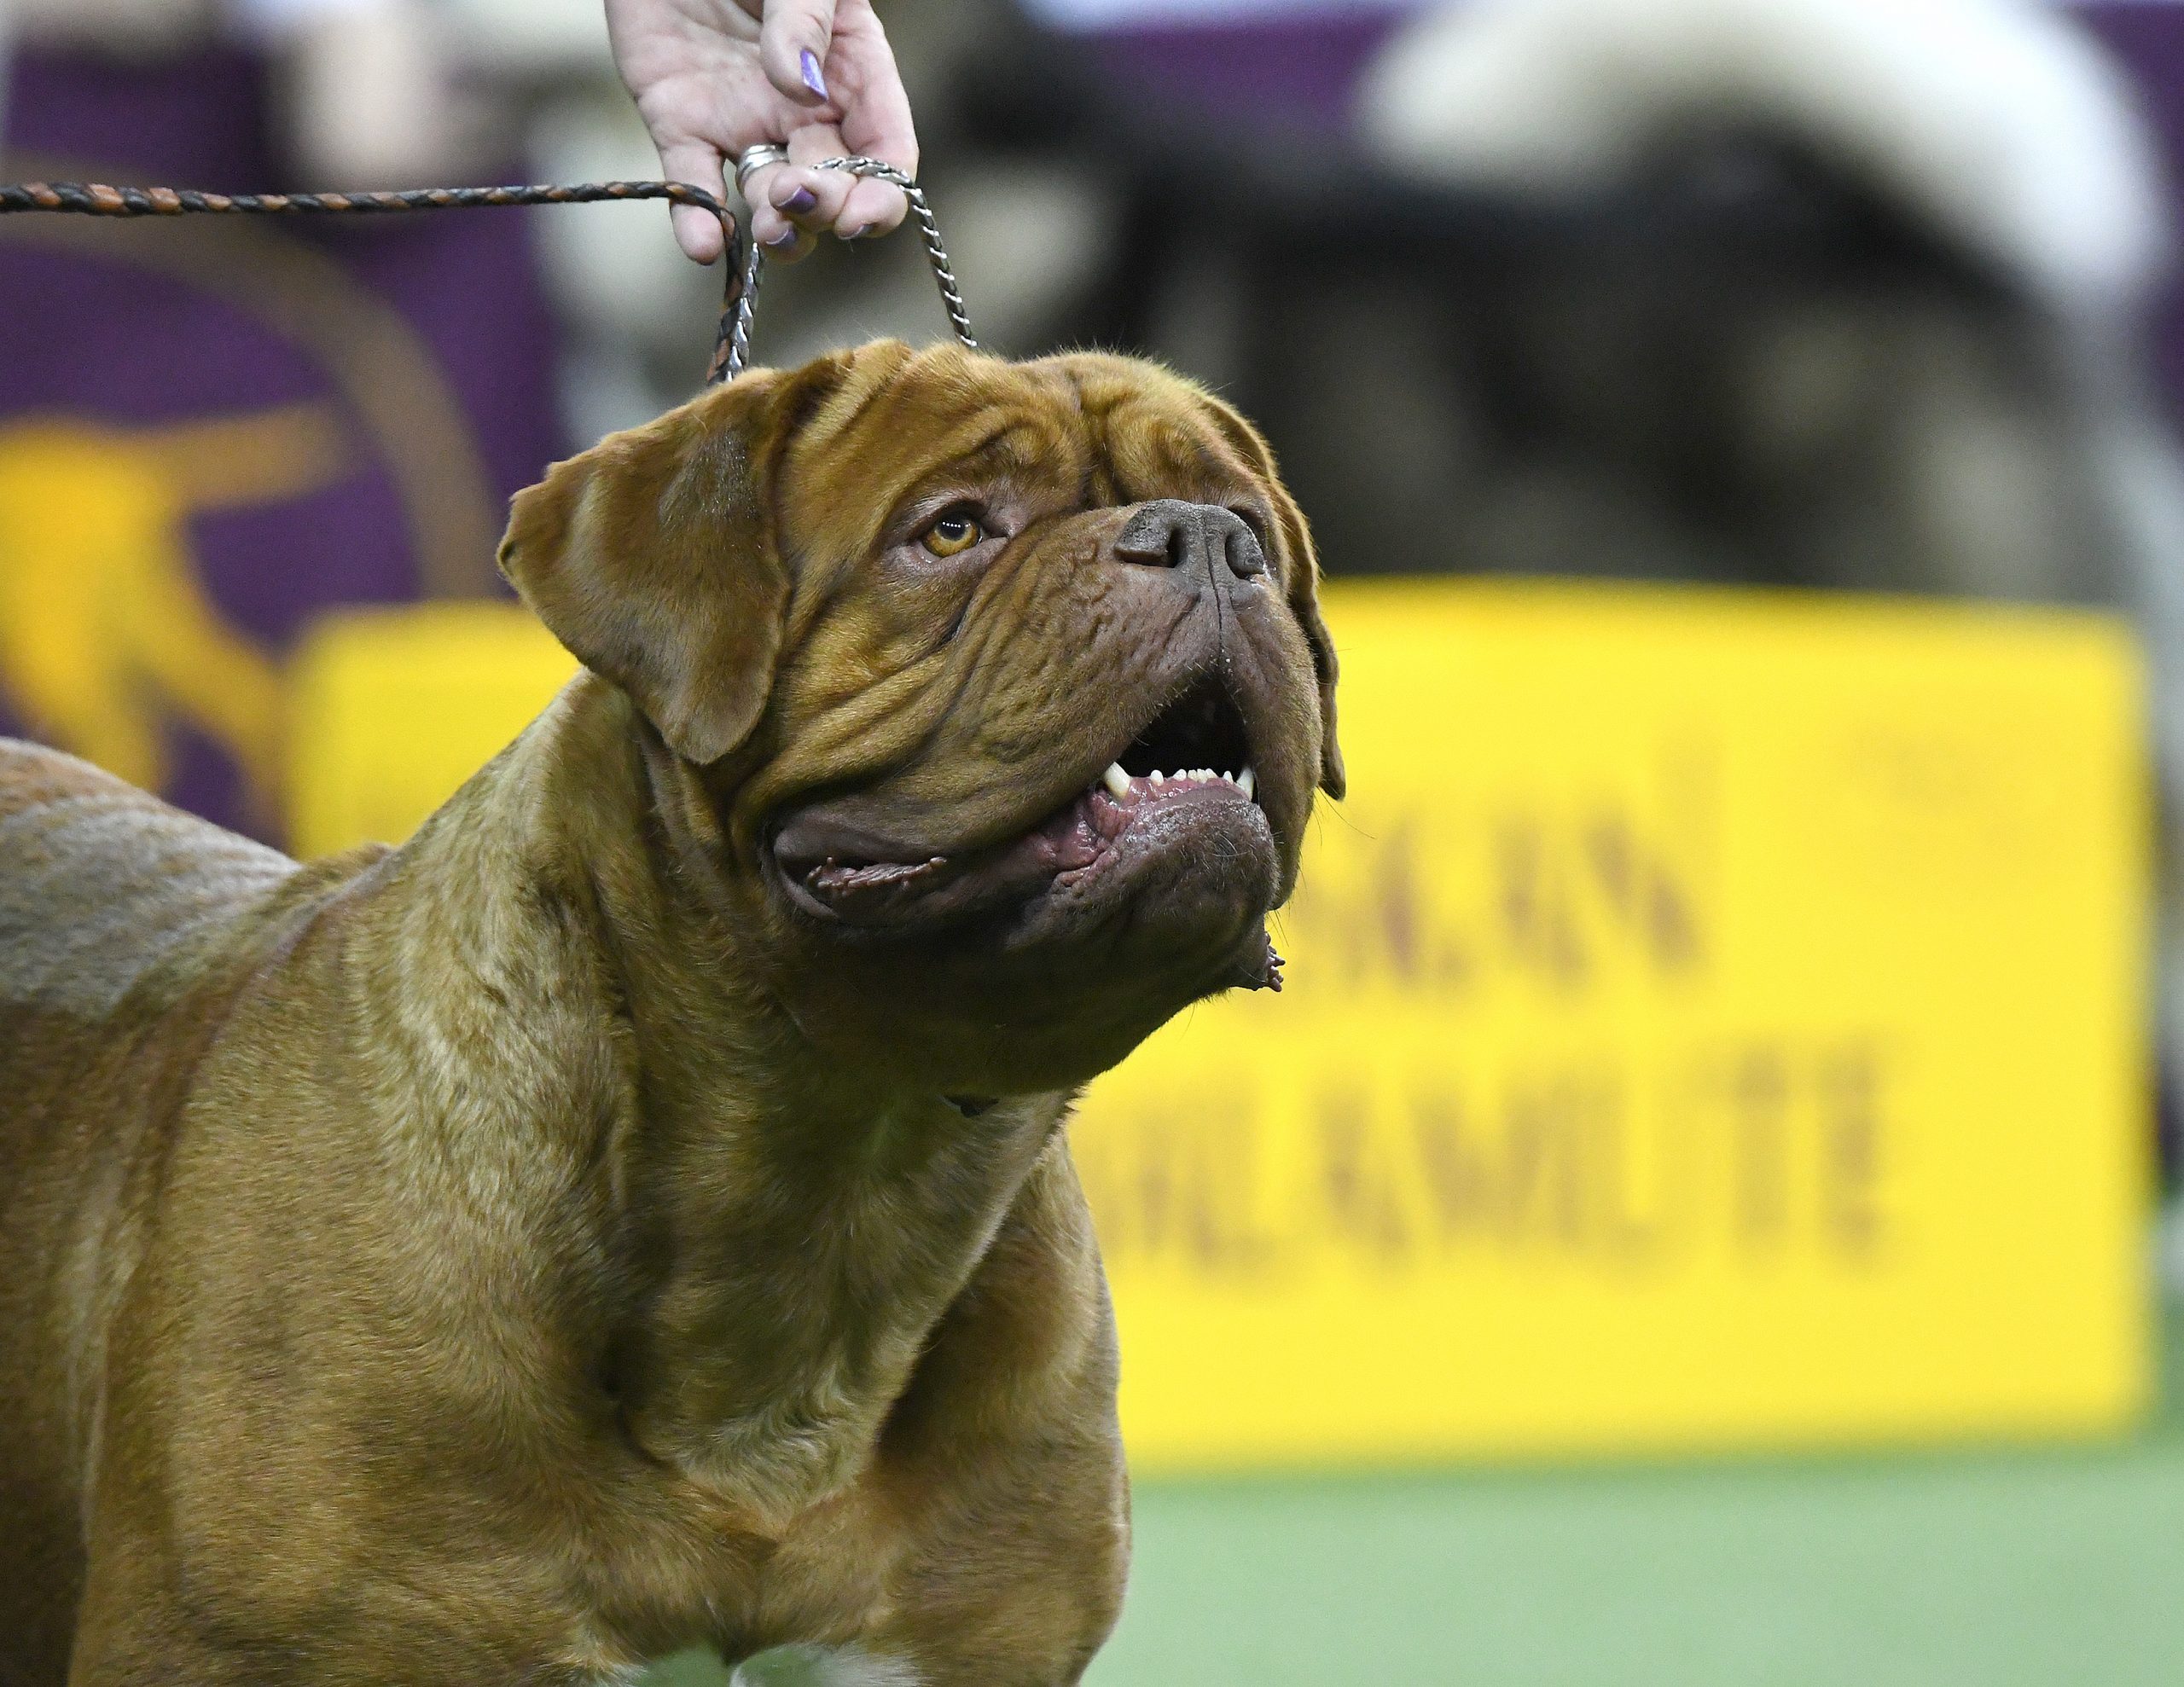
<point x="954" y="533"/>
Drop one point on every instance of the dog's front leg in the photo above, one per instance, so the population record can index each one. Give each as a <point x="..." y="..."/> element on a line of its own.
<point x="1015" y="1566"/>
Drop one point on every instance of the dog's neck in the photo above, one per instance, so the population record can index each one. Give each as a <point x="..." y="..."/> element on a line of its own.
<point x="780" y="1230"/>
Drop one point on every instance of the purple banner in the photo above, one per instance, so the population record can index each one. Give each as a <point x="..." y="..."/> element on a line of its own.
<point x="213" y="430"/>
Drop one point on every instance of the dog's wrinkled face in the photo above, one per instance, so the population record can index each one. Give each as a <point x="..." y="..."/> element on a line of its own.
<point x="1006" y="686"/>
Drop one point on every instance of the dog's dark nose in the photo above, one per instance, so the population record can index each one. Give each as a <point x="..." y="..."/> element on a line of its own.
<point x="1169" y="533"/>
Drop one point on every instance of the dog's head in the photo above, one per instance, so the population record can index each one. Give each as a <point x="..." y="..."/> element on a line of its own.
<point x="997" y="693"/>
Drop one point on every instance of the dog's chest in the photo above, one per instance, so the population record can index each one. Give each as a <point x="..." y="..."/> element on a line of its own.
<point x="817" y="1332"/>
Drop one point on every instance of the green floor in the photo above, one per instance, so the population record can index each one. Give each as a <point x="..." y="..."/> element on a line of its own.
<point x="2059" y="1568"/>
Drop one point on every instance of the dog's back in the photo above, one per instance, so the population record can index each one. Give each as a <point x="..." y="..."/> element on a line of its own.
<point x="98" y="882"/>
<point x="103" y="890"/>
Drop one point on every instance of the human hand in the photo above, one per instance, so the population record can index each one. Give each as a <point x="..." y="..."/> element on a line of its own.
<point x="818" y="77"/>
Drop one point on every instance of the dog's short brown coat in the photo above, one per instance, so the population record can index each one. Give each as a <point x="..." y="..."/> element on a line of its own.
<point x="547" y="1245"/>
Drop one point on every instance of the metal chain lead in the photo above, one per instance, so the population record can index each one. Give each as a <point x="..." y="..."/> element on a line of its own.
<point x="943" y="273"/>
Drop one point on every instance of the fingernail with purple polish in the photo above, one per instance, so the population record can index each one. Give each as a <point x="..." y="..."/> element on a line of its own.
<point x="859" y="232"/>
<point x="784" y="239"/>
<point x="812" y="79"/>
<point x="798" y="202"/>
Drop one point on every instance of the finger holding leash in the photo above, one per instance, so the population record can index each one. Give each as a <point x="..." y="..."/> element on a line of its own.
<point x="720" y="81"/>
<point x="757" y="169"/>
<point x="788" y="193"/>
<point x="792" y="188"/>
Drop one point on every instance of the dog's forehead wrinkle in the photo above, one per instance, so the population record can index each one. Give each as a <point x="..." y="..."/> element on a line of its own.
<point x="1006" y="446"/>
<point x="1149" y="446"/>
<point x="1167" y="457"/>
<point x="936" y="383"/>
<point x="901" y="458"/>
<point x="842" y="411"/>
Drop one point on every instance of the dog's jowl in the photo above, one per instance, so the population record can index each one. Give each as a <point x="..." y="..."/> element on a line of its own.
<point x="634" y="1213"/>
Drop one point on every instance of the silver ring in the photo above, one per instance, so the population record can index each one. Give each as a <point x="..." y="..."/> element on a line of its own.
<point x="759" y="157"/>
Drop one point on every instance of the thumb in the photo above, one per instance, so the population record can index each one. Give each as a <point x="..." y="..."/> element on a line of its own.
<point x="794" y="37"/>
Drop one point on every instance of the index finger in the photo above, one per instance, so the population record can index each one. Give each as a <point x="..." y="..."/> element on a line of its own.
<point x="873" y="207"/>
<point x="878" y="125"/>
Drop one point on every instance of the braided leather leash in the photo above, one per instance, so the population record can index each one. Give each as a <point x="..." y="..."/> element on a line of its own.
<point x="731" y="346"/>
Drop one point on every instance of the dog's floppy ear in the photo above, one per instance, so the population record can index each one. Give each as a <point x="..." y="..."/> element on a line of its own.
<point x="652" y="556"/>
<point x="1304" y="604"/>
<point x="1303" y="582"/>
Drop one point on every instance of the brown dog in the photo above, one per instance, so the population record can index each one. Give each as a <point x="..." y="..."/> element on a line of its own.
<point x="634" y="1213"/>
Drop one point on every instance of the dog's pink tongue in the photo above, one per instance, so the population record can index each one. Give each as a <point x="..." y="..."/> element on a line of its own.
<point x="1069" y="837"/>
<point x="875" y="886"/>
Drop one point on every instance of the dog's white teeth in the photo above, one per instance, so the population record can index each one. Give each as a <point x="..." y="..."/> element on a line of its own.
<point x="1159" y="779"/>
<point x="1246" y="782"/>
<point x="1116" y="780"/>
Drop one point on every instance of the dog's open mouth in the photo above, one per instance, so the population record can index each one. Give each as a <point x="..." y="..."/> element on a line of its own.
<point x="1195" y="752"/>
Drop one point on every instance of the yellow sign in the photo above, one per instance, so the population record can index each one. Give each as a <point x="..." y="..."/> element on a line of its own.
<point x="1714" y="1020"/>
<point x="395" y="708"/>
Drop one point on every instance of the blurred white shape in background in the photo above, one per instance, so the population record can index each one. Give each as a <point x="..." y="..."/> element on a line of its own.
<point x="532" y="38"/>
<point x="1997" y="121"/>
<point x="1999" y="129"/>
<point x="371" y="93"/>
<point x="636" y="315"/>
<point x="367" y="93"/>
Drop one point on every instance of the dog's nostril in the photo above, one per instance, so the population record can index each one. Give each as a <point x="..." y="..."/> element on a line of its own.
<point x="1159" y="534"/>
<point x="1245" y="559"/>
<point x="1171" y="533"/>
